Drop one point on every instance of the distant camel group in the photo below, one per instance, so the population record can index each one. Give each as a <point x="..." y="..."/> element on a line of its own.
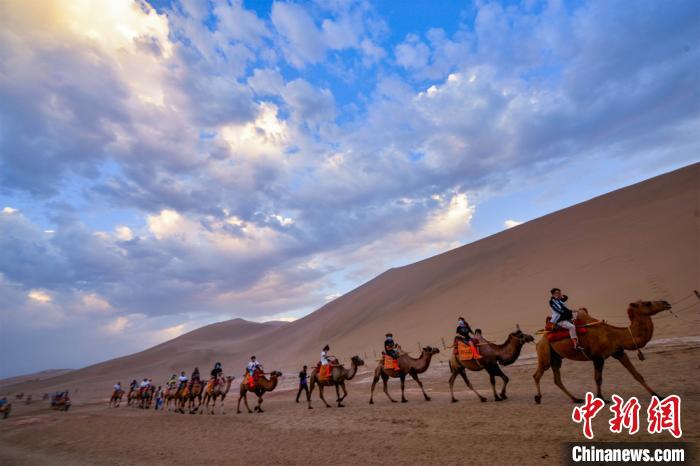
<point x="598" y="342"/>
<point x="197" y="396"/>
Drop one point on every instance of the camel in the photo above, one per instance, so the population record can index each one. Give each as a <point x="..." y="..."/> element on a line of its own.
<point x="189" y="396"/>
<point x="132" y="397"/>
<point x="116" y="398"/>
<point x="493" y="356"/>
<point x="599" y="343"/>
<point x="61" y="402"/>
<point x="339" y="375"/>
<point x="147" y="397"/>
<point x="142" y="398"/>
<point x="172" y="395"/>
<point x="6" y="409"/>
<point x="407" y="365"/>
<point x="213" y="393"/>
<point x="262" y="385"/>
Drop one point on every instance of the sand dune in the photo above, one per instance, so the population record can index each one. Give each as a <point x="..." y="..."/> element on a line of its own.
<point x="640" y="242"/>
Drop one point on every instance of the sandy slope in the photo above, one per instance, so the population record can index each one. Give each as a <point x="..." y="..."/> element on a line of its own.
<point x="638" y="242"/>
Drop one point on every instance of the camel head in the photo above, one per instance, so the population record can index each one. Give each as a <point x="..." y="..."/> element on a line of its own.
<point x="522" y="337"/>
<point x="357" y="361"/>
<point x="430" y="350"/>
<point x="275" y="374"/>
<point x="648" y="308"/>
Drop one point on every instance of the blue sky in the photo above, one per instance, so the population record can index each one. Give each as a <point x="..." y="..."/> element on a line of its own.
<point x="172" y="164"/>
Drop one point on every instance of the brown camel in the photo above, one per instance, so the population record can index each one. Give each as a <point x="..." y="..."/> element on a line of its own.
<point x="407" y="365"/>
<point x="599" y="343"/>
<point x="211" y="394"/>
<point x="116" y="398"/>
<point x="262" y="385"/>
<point x="493" y="356"/>
<point x="132" y="397"/>
<point x="172" y="397"/>
<point x="339" y="375"/>
<point x="146" y="397"/>
<point x="190" y="395"/>
<point x="140" y="398"/>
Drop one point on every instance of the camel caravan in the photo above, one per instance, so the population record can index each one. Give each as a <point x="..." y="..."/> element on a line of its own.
<point x="568" y="334"/>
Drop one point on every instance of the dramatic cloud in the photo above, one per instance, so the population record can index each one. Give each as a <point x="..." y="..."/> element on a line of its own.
<point x="163" y="169"/>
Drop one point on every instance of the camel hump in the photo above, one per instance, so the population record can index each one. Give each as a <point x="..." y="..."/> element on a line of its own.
<point x="584" y="316"/>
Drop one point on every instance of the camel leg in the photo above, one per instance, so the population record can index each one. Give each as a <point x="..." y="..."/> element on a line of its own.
<point x="453" y="376"/>
<point x="337" y="396"/>
<point x="451" y="382"/>
<point x="625" y="361"/>
<point x="543" y="363"/>
<point x="463" y="373"/>
<point x="598" y="375"/>
<point x="492" y="379"/>
<point x="223" y="410"/>
<point x="312" y="384"/>
<point x="258" y="408"/>
<point x="320" y="394"/>
<point x="385" y="380"/>
<point x="238" y="407"/>
<point x="374" y="383"/>
<point x="345" y="391"/>
<point x="402" y="377"/>
<point x="556" y="366"/>
<point x="499" y="372"/>
<point x="541" y="368"/>
<point x="420" y="384"/>
<point x="245" y="400"/>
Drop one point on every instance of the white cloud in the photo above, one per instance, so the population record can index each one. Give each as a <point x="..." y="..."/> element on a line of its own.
<point x="168" y="223"/>
<point x="40" y="296"/>
<point x="511" y="223"/>
<point x="267" y="135"/>
<point x="117" y="325"/>
<point x="412" y="53"/>
<point x="9" y="210"/>
<point x="302" y="42"/>
<point x="123" y="233"/>
<point x="92" y="302"/>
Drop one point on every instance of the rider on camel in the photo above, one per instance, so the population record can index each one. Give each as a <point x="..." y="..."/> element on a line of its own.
<point x="194" y="377"/>
<point x="251" y="369"/>
<point x="390" y="346"/>
<point x="562" y="316"/>
<point x="466" y="335"/>
<point x="326" y="361"/>
<point x="182" y="381"/>
<point x="215" y="374"/>
<point x="172" y="383"/>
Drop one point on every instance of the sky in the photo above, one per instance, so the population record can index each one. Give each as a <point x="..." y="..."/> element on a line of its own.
<point x="171" y="164"/>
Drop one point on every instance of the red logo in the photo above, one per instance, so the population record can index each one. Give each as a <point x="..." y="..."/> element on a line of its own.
<point x="661" y="415"/>
<point x="665" y="415"/>
<point x="587" y="412"/>
<point x="625" y="415"/>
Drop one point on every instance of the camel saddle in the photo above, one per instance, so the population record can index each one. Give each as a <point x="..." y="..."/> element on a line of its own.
<point x="390" y="363"/>
<point x="555" y="333"/>
<point x="324" y="372"/>
<point x="466" y="352"/>
<point x="251" y="381"/>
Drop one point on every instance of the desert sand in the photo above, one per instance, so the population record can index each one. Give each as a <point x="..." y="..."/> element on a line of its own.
<point x="514" y="431"/>
<point x="641" y="242"/>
